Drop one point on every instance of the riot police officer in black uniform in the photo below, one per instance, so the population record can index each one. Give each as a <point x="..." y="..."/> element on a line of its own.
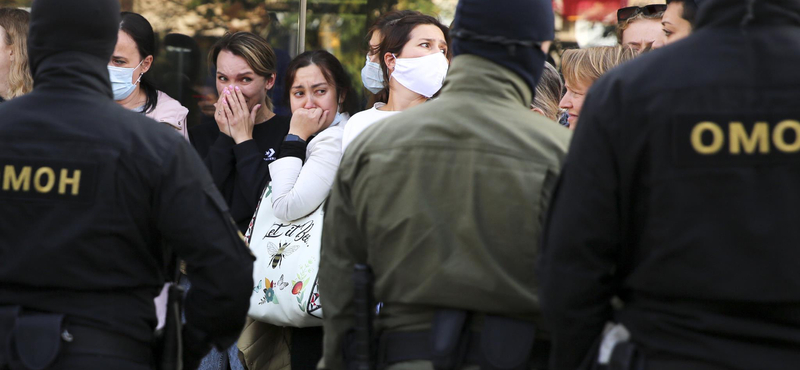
<point x="89" y="192"/>
<point x="680" y="197"/>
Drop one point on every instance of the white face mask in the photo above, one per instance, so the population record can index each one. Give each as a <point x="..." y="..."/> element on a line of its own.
<point x="121" y="81"/>
<point x="423" y="75"/>
<point x="372" y="76"/>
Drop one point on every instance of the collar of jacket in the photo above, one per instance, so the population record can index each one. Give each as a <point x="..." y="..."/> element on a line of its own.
<point x="75" y="71"/>
<point x="473" y="74"/>
<point x="742" y="13"/>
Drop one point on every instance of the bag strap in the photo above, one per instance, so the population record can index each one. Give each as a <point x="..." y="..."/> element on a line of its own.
<point x="250" y="228"/>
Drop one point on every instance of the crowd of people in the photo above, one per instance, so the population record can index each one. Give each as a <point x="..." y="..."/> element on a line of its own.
<point x="495" y="237"/>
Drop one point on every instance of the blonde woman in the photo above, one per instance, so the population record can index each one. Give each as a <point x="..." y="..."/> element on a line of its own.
<point x="581" y="68"/>
<point x="15" y="75"/>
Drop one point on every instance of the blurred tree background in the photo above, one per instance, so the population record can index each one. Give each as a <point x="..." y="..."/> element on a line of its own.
<point x="338" y="26"/>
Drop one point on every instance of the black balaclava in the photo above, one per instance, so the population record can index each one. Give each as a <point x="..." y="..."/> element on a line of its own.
<point x="507" y="32"/>
<point x="85" y="26"/>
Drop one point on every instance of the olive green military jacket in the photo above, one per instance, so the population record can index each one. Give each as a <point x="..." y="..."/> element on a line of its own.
<point x="445" y="202"/>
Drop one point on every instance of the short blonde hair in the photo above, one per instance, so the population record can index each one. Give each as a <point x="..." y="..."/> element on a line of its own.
<point x="587" y="65"/>
<point x="15" y="23"/>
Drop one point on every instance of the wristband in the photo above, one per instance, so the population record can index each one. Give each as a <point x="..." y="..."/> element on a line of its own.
<point x="293" y="137"/>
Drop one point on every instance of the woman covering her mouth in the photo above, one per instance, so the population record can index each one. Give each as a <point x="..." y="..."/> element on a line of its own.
<point x="247" y="135"/>
<point x="245" y="138"/>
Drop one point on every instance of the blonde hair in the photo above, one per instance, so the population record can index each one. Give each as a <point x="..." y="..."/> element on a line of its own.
<point x="548" y="92"/>
<point x="15" y="23"/>
<point x="255" y="51"/>
<point x="587" y="65"/>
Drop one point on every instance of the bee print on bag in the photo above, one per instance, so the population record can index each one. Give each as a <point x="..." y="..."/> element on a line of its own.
<point x="279" y="253"/>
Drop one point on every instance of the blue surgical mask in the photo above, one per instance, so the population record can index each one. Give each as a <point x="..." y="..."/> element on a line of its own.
<point x="121" y="81"/>
<point x="372" y="76"/>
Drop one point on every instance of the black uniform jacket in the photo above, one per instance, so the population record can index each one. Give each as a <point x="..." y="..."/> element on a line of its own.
<point x="89" y="192"/>
<point x="681" y="195"/>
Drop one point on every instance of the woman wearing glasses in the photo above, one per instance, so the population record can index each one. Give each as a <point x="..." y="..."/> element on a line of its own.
<point x="639" y="27"/>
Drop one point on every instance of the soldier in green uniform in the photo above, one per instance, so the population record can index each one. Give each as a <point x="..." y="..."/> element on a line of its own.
<point x="445" y="202"/>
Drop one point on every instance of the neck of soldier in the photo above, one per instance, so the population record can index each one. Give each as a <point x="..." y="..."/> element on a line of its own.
<point x="401" y="98"/>
<point x="135" y="100"/>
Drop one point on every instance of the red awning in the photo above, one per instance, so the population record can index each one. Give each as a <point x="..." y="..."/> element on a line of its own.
<point x="594" y="10"/>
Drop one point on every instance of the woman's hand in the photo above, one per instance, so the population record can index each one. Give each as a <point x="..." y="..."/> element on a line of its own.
<point x="307" y="122"/>
<point x="240" y="120"/>
<point x="221" y="117"/>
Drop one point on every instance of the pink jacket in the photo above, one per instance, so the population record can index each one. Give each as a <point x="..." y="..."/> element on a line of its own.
<point x="170" y="111"/>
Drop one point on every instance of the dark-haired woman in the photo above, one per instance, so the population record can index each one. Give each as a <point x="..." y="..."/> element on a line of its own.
<point x="319" y="92"/>
<point x="414" y="58"/>
<point x="371" y="74"/>
<point x="132" y="58"/>
<point x="320" y="95"/>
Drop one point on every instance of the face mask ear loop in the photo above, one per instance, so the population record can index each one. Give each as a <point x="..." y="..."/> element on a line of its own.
<point x="140" y="73"/>
<point x="395" y="66"/>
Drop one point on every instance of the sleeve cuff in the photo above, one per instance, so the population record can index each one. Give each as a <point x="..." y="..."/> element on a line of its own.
<point x="246" y="149"/>
<point x="295" y="149"/>
<point x="224" y="142"/>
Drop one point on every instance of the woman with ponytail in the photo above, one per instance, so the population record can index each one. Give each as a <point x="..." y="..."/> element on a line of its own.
<point x="133" y="88"/>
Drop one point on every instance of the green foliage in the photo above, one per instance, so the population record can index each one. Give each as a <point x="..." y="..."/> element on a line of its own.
<point x="424" y="6"/>
<point x="16" y="3"/>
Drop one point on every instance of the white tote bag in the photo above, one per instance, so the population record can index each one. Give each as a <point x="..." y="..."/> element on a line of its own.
<point x="285" y="291"/>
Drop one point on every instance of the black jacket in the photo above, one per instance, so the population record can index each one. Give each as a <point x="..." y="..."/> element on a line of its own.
<point x="91" y="191"/>
<point x="241" y="171"/>
<point x="680" y="196"/>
